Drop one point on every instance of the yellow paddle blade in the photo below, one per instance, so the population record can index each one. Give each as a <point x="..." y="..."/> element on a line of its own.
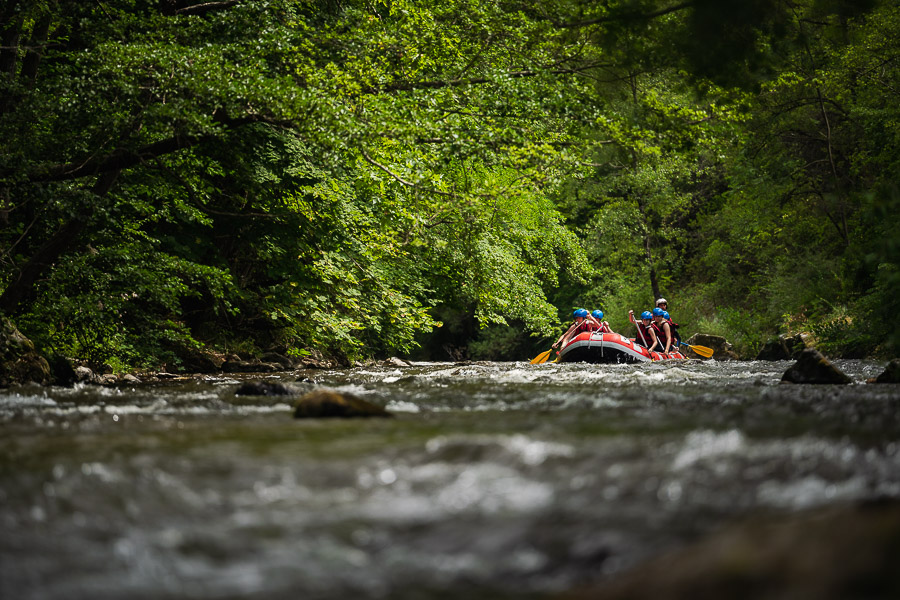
<point x="541" y="358"/>
<point x="702" y="351"/>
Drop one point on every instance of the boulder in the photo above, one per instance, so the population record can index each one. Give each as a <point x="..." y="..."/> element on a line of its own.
<point x="395" y="362"/>
<point x="85" y="375"/>
<point x="62" y="371"/>
<point x="812" y="367"/>
<point x="891" y="373"/>
<point x="826" y="554"/>
<point x="19" y="362"/>
<point x="277" y="359"/>
<point x="263" y="388"/>
<point x="243" y="366"/>
<point x="722" y="350"/>
<point x="198" y="361"/>
<point x="784" y="347"/>
<point x="324" y="403"/>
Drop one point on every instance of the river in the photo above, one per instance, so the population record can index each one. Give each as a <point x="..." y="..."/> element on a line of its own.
<point x="494" y="480"/>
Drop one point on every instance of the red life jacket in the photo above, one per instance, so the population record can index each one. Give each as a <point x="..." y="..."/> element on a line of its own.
<point x="584" y="326"/>
<point x="644" y="333"/>
<point x="661" y="335"/>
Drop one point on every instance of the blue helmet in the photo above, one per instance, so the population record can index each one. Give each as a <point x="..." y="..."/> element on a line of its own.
<point x="597" y="314"/>
<point x="646" y="315"/>
<point x="580" y="313"/>
<point x="657" y="311"/>
<point x="665" y="315"/>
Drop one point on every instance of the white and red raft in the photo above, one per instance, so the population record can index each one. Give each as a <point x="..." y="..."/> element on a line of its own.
<point x="609" y="348"/>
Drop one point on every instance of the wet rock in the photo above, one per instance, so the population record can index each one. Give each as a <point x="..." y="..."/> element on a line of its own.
<point x="62" y="371"/>
<point x="85" y="375"/>
<point x="891" y="373"/>
<point x="19" y="363"/>
<point x="784" y="347"/>
<point x="396" y="362"/>
<point x="831" y="554"/>
<point x="722" y="350"/>
<point x="275" y="358"/>
<point x="263" y="388"/>
<point x="198" y="361"/>
<point x="813" y="367"/>
<point x="329" y="403"/>
<point x="108" y="379"/>
<point x="243" y="366"/>
<point x="130" y="379"/>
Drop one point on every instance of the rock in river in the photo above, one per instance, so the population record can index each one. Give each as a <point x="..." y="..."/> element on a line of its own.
<point x="329" y="403"/>
<point x="891" y="373"/>
<point x="784" y="347"/>
<point x="262" y="388"/>
<point x="722" y="350"/>
<point x="828" y="554"/>
<point x="19" y="363"/>
<point x="812" y="367"/>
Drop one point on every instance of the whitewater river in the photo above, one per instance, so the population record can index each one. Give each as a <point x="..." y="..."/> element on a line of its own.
<point x="494" y="480"/>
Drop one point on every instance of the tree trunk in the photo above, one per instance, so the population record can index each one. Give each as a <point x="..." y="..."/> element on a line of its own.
<point x="21" y="287"/>
<point x="654" y="284"/>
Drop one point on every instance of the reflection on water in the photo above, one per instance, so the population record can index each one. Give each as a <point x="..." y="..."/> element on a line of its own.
<point x="495" y="479"/>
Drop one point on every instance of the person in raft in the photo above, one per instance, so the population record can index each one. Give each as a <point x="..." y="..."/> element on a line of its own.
<point x="663" y="330"/>
<point x="646" y="335"/>
<point x="663" y="305"/>
<point x="583" y="322"/>
<point x="603" y="325"/>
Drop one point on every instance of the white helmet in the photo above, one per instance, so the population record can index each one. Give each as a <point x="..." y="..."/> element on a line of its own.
<point x="661" y="301"/>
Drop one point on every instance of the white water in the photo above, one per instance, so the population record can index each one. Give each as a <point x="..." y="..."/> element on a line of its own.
<point x="493" y="480"/>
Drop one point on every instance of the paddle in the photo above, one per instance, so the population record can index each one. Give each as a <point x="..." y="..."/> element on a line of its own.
<point x="701" y="350"/>
<point x="541" y="358"/>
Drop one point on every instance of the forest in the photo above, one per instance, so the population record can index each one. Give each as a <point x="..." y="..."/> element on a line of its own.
<point x="444" y="179"/>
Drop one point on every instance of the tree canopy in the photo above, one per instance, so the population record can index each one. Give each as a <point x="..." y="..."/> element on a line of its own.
<point x="346" y="176"/>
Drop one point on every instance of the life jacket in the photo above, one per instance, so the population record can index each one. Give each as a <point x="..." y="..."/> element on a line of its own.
<point x="644" y="334"/>
<point x="661" y="335"/>
<point x="583" y="327"/>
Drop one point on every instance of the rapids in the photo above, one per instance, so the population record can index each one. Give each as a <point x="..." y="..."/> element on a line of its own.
<point x="493" y="480"/>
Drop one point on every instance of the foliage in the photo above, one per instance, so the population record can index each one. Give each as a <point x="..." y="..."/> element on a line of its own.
<point x="338" y="176"/>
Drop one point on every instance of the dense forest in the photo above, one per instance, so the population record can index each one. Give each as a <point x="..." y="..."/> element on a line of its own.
<point x="444" y="179"/>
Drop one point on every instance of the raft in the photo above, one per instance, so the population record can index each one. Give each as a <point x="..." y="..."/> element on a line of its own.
<point x="609" y="348"/>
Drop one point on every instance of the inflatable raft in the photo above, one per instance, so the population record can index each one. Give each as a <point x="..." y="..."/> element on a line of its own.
<point x="609" y="348"/>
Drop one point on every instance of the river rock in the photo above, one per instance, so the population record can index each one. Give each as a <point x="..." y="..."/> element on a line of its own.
<point x="827" y="554"/>
<point x="108" y="379"/>
<point x="722" y="350"/>
<point x="396" y="362"/>
<point x="891" y="373"/>
<point x="263" y="388"/>
<point x="330" y="403"/>
<point x="784" y="347"/>
<point x="62" y="370"/>
<point x="198" y="361"/>
<point x="813" y="367"/>
<point x="85" y="375"/>
<point x="275" y="358"/>
<point x="19" y="363"/>
<point x="244" y="366"/>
